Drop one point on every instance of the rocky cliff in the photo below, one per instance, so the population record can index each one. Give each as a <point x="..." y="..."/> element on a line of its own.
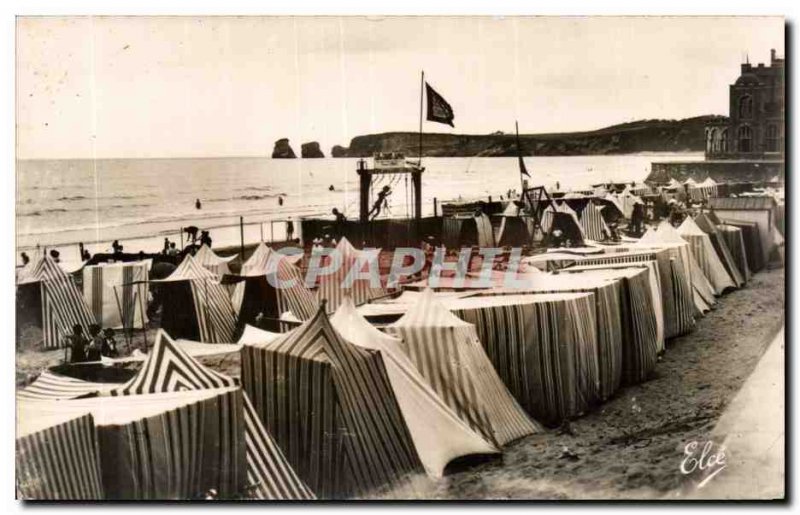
<point x="310" y="150"/>
<point x="640" y="136"/>
<point x="283" y="150"/>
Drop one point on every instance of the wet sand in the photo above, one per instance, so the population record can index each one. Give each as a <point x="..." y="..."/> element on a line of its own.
<point x="630" y="447"/>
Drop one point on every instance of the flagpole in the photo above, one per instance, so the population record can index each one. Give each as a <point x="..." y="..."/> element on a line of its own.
<point x="519" y="154"/>
<point x="421" y="93"/>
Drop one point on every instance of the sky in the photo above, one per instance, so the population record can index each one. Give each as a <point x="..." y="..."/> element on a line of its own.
<point x="136" y="87"/>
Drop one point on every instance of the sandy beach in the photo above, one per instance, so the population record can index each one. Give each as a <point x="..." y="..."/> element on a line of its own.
<point x="630" y="447"/>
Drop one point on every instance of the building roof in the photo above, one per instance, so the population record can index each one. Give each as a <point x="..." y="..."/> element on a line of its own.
<point x="742" y="203"/>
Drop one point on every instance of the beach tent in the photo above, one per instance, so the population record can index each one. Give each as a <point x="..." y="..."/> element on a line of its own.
<point x="447" y="352"/>
<point x="759" y="210"/>
<point x="331" y="408"/>
<point x="270" y="284"/>
<point x="665" y="236"/>
<point x="544" y="348"/>
<point x="165" y="446"/>
<point x="467" y="231"/>
<point x="438" y="434"/>
<point x="58" y="458"/>
<point x="641" y="315"/>
<point x="505" y="342"/>
<point x="720" y="245"/>
<point x="209" y="260"/>
<point x="169" y="368"/>
<point x="117" y="293"/>
<point x="673" y="184"/>
<point x="752" y="243"/>
<point x="195" y="306"/>
<point x="735" y="240"/>
<point x="565" y="219"/>
<point x="594" y="226"/>
<point x="334" y="286"/>
<point x="47" y="298"/>
<point x="515" y="230"/>
<point x="706" y="256"/>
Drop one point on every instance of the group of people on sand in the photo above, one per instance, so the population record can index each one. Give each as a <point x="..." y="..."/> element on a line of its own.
<point x="99" y="343"/>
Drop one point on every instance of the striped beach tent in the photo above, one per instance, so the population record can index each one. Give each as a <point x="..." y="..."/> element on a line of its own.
<point x="169" y="368"/>
<point x="706" y="256"/>
<point x="333" y="286"/>
<point x="164" y="446"/>
<point x="734" y="239"/>
<point x="58" y="458"/>
<point x="544" y="348"/>
<point x="447" y="352"/>
<point x="47" y="298"/>
<point x="514" y="228"/>
<point x="50" y="386"/>
<point x="641" y="341"/>
<point x="594" y="226"/>
<point x="752" y="242"/>
<point x="331" y="408"/>
<point x="606" y="313"/>
<point x="438" y="434"/>
<point x="270" y="284"/>
<point x="195" y="305"/>
<point x="209" y="260"/>
<point x="721" y="246"/>
<point x="664" y="235"/>
<point x="117" y="293"/>
<point x="548" y="217"/>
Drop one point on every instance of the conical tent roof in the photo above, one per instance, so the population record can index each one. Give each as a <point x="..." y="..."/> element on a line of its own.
<point x="663" y="233"/>
<point x="209" y="259"/>
<point x="255" y="335"/>
<point x="168" y="368"/>
<point x="335" y="285"/>
<point x="438" y="434"/>
<point x="447" y="352"/>
<point x="709" y="182"/>
<point x="673" y="183"/>
<point x="188" y="270"/>
<point x="691" y="182"/>
<point x="346" y="435"/>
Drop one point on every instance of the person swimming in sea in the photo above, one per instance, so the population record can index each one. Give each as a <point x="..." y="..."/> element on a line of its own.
<point x="331" y="188"/>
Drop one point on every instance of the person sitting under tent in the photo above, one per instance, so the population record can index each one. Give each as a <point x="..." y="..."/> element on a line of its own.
<point x="381" y="201"/>
<point x="109" y="345"/>
<point x="77" y="344"/>
<point x="95" y="344"/>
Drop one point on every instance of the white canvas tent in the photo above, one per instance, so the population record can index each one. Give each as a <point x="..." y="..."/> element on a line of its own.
<point x="438" y="434"/>
<point x="212" y="262"/>
<point x="117" y="293"/>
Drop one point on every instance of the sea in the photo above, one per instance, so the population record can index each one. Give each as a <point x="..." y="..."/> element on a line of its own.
<point x="60" y="203"/>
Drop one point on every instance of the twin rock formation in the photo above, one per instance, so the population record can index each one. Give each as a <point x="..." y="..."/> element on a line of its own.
<point x="283" y="150"/>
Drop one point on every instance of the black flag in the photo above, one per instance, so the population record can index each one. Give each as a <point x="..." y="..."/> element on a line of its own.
<point x="522" y="169"/>
<point x="438" y="108"/>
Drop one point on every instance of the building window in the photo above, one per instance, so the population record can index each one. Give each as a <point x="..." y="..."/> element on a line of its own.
<point x="772" y="138"/>
<point x="723" y="141"/>
<point x="746" y="106"/>
<point x="745" y="136"/>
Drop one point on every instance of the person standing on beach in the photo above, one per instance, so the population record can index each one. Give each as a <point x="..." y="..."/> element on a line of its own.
<point x="280" y="200"/>
<point x="197" y="204"/>
<point x="25" y="259"/>
<point x="289" y="229"/>
<point x="77" y="343"/>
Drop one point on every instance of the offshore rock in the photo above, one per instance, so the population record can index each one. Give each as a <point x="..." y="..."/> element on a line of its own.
<point x="310" y="150"/>
<point x="283" y="150"/>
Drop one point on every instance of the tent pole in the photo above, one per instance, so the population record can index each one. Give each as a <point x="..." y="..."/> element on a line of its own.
<point x="122" y="319"/>
<point x="142" y="307"/>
